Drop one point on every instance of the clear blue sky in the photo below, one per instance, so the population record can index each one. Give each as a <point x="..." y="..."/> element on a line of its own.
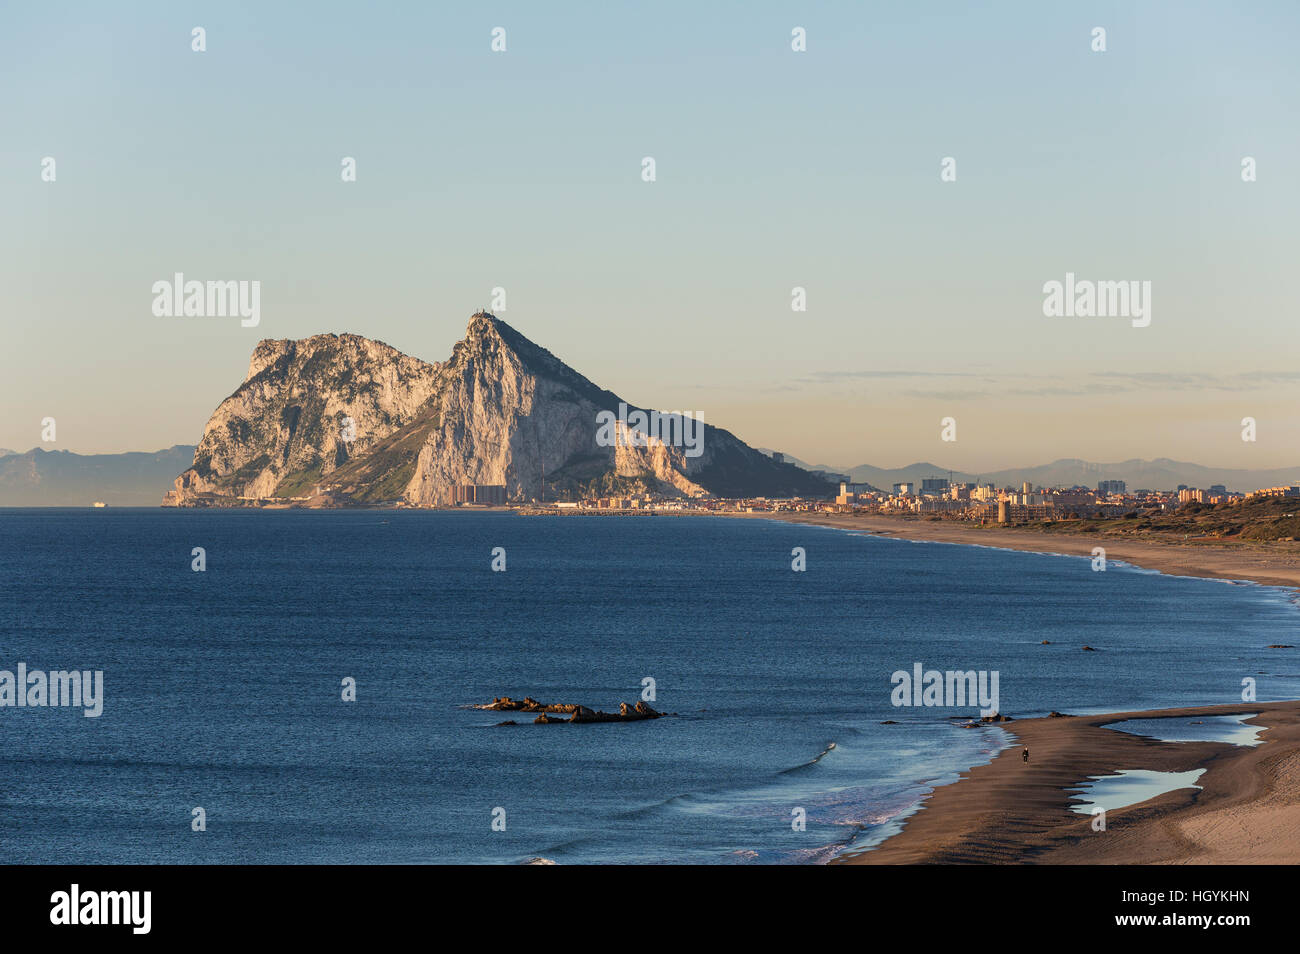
<point x="775" y="169"/>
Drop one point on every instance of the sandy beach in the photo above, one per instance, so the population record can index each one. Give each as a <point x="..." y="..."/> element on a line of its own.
<point x="1010" y="811"/>
<point x="1247" y="810"/>
<point x="1276" y="564"/>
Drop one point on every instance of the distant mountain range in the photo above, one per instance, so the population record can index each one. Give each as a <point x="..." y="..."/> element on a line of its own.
<point x="501" y="411"/>
<point x="41" y="478"/>
<point x="59" y="478"/>
<point x="1159" y="474"/>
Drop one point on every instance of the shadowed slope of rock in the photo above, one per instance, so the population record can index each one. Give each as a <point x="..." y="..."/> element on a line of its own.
<point x="511" y="412"/>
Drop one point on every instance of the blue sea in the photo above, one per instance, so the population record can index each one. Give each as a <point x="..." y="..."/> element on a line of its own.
<point x="223" y="688"/>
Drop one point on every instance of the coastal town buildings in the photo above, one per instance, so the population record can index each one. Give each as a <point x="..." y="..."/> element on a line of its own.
<point x="936" y="498"/>
<point x="491" y="495"/>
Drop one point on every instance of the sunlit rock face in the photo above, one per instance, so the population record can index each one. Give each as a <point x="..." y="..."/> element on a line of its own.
<point x="339" y="419"/>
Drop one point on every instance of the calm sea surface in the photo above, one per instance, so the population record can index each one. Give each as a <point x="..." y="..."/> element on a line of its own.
<point x="223" y="688"/>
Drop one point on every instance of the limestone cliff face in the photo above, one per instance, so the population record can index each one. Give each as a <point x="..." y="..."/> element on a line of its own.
<point x="512" y="413"/>
<point x="287" y="426"/>
<point x="666" y="464"/>
<point x="499" y="422"/>
<point x="501" y="411"/>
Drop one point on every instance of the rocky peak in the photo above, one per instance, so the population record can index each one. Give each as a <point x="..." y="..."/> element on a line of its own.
<point x="501" y="411"/>
<point x="305" y="408"/>
<point x="267" y="353"/>
<point x="488" y="338"/>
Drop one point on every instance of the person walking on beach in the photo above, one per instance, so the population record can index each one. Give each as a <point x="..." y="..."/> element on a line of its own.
<point x="1025" y="755"/>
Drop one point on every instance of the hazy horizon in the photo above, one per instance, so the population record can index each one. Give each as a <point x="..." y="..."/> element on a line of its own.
<point x="774" y="169"/>
<point x="940" y="469"/>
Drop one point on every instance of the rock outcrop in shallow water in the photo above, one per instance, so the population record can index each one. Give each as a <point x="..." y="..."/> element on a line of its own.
<point x="576" y="713"/>
<point x="526" y="704"/>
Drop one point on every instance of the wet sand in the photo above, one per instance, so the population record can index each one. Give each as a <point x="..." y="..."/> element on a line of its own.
<point x="1009" y="811"/>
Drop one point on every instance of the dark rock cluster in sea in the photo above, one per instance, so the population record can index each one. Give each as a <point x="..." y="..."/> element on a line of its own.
<point x="576" y="713"/>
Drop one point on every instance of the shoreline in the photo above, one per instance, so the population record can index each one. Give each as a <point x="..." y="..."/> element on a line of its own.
<point x="1268" y="565"/>
<point x="1247" y="810"/>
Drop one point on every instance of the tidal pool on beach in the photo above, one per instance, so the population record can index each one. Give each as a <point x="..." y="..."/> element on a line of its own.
<point x="1129" y="787"/>
<point x="1227" y="728"/>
